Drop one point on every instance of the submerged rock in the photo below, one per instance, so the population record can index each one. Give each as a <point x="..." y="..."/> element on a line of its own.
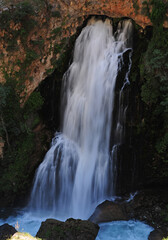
<point x="71" y="229"/>
<point x="107" y="212"/>
<point x="6" y="231"/>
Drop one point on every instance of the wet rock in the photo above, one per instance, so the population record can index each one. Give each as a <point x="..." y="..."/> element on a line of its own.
<point x="72" y="229"/>
<point x="6" y="231"/>
<point x="149" y="206"/>
<point x="108" y="211"/>
<point x="155" y="235"/>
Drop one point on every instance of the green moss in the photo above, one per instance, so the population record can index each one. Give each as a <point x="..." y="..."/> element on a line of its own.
<point x="19" y="14"/>
<point x="5" y="18"/>
<point x="88" y="3"/>
<point x="135" y="5"/>
<point x="39" y="43"/>
<point x="154" y="89"/>
<point x="158" y="13"/>
<point x="12" y="45"/>
<point x="49" y="71"/>
<point x="1" y="55"/>
<point x="56" y="14"/>
<point x="31" y="55"/>
<point x="33" y="104"/>
<point x="56" y="31"/>
<point x="16" y="128"/>
<point x="57" y="48"/>
<point x="23" y="14"/>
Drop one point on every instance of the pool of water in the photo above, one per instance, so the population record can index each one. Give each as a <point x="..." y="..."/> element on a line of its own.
<point x="25" y="222"/>
<point x="118" y="230"/>
<point x="124" y="230"/>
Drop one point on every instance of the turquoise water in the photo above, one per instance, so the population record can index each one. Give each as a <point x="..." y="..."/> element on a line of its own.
<point x="117" y="230"/>
<point x="27" y="222"/>
<point x="124" y="230"/>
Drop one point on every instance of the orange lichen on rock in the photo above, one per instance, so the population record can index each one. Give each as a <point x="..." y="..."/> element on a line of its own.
<point x="52" y="26"/>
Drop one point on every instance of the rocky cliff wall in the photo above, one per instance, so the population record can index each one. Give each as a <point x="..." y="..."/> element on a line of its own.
<point x="32" y="44"/>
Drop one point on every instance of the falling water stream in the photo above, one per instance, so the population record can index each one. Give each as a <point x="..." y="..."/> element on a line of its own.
<point x="78" y="172"/>
<point x="74" y="176"/>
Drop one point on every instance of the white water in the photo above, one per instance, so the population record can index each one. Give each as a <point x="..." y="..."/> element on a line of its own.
<point x="78" y="170"/>
<point x="74" y="176"/>
<point x="26" y="221"/>
<point x="117" y="230"/>
<point x="124" y="230"/>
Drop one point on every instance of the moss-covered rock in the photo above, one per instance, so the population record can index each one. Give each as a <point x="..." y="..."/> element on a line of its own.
<point x="72" y="229"/>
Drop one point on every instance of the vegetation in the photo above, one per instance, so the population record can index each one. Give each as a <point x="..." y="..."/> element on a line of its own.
<point x="17" y="22"/>
<point x="18" y="14"/>
<point x="22" y="16"/>
<point x="135" y="5"/>
<point x="154" y="69"/>
<point x="16" y="128"/>
<point x="37" y="4"/>
<point x="17" y="123"/>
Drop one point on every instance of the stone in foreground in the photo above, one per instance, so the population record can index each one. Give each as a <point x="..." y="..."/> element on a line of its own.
<point x="155" y="235"/>
<point x="6" y="231"/>
<point x="71" y="229"/>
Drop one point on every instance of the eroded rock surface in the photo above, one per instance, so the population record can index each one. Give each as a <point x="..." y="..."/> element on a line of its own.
<point x="29" y="55"/>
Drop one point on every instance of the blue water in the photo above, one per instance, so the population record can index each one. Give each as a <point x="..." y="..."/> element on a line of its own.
<point x="117" y="230"/>
<point x="124" y="230"/>
<point x="27" y="222"/>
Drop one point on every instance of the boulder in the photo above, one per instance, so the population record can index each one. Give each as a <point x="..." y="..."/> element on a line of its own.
<point x="107" y="212"/>
<point x="6" y="231"/>
<point x="71" y="229"/>
<point x="155" y="235"/>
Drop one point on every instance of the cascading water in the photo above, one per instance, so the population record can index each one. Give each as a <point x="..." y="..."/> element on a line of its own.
<point x="77" y="173"/>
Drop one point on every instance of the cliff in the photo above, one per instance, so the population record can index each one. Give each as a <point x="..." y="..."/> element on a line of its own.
<point x="36" y="39"/>
<point x="33" y="39"/>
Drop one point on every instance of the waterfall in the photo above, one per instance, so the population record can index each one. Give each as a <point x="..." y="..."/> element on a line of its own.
<point x="77" y="172"/>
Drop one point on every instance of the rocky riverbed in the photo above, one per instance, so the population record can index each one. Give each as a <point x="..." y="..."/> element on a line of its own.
<point x="149" y="206"/>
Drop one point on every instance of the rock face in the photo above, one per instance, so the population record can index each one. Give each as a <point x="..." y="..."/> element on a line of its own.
<point x="30" y="52"/>
<point x="6" y="231"/>
<point x="72" y="229"/>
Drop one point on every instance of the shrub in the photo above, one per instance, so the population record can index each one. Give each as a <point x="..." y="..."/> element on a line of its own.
<point x="16" y="128"/>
